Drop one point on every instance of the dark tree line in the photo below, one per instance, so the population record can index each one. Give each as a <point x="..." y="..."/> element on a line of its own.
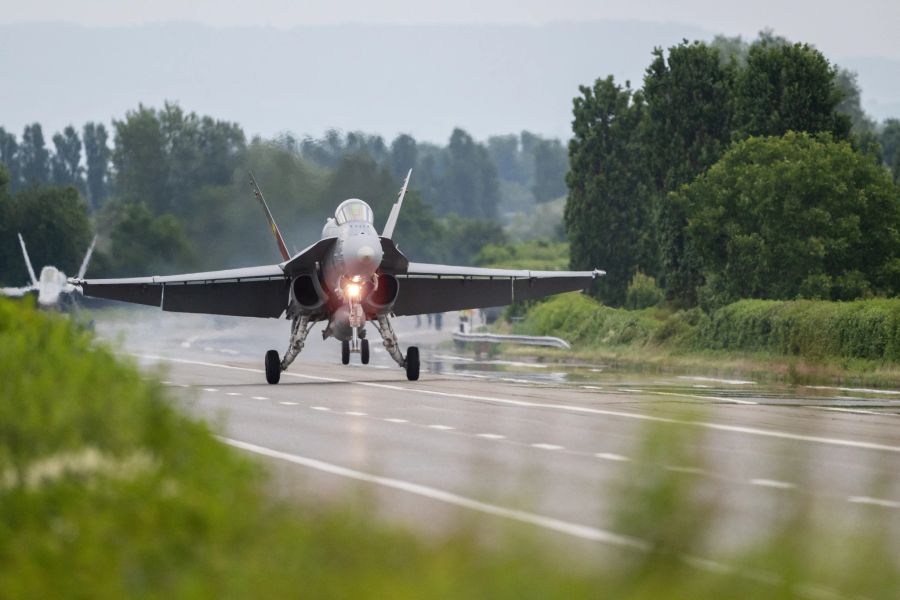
<point x="29" y="162"/>
<point x="632" y="149"/>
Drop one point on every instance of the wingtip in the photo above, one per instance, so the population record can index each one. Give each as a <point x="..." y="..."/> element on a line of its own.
<point x="598" y="273"/>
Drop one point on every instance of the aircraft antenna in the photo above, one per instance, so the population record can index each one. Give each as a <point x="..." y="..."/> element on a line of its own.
<point x="282" y="247"/>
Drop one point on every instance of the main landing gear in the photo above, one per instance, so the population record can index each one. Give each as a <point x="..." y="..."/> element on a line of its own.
<point x="299" y="330"/>
<point x="411" y="361"/>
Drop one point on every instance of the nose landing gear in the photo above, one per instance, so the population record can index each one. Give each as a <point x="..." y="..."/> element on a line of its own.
<point x="359" y="344"/>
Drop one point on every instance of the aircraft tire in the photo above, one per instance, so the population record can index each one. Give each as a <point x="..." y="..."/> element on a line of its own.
<point x="273" y="367"/>
<point x="345" y="352"/>
<point x="364" y="351"/>
<point x="412" y="363"/>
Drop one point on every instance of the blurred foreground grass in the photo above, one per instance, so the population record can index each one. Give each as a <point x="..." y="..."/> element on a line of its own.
<point x="107" y="491"/>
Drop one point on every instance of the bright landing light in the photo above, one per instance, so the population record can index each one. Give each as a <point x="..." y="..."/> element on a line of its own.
<point x="353" y="290"/>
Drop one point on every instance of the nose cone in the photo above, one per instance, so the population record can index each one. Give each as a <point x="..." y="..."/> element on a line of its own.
<point x="362" y="256"/>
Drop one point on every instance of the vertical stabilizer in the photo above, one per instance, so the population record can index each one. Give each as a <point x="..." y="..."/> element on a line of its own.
<point x="395" y="210"/>
<point x="87" y="259"/>
<point x="34" y="280"/>
<point x="282" y="247"/>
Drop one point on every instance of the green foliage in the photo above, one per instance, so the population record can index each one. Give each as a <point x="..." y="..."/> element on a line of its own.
<point x="54" y="223"/>
<point x="538" y="255"/>
<point x="690" y="98"/>
<point x="607" y="206"/>
<point x="65" y="164"/>
<point x="143" y="244"/>
<point x="643" y="292"/>
<point x="96" y="157"/>
<point x="162" y="156"/>
<point x="867" y="329"/>
<point x="794" y="216"/>
<point x="34" y="158"/>
<point x="890" y="145"/>
<point x="788" y="87"/>
<point x="580" y="319"/>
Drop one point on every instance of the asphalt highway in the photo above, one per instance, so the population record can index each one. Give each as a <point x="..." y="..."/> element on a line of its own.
<point x="555" y="450"/>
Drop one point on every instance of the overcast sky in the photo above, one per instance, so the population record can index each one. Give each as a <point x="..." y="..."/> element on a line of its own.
<point x="844" y="29"/>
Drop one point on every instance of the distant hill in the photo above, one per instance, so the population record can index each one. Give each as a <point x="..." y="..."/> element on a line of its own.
<point x="424" y="80"/>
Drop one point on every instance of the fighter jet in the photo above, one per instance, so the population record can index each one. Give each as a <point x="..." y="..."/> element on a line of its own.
<point x="52" y="286"/>
<point x="351" y="277"/>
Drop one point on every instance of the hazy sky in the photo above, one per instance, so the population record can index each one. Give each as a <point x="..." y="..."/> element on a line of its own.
<point x="845" y="29"/>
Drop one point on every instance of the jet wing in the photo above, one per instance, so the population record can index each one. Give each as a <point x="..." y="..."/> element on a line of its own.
<point x="17" y="292"/>
<point x="250" y="292"/>
<point x="427" y="288"/>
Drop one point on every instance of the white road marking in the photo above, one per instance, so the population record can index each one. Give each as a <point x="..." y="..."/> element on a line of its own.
<point x="574" y="529"/>
<point x="717" y="380"/>
<point x="852" y="389"/>
<point x="772" y="483"/>
<point x="355" y="413"/>
<point x="547" y="446"/>
<point x="874" y="501"/>
<point x="182" y="385"/>
<point x="210" y="390"/>
<point x="259" y="398"/>
<point x="322" y="408"/>
<point x="585" y="532"/>
<point x="287" y="403"/>
<point x="164" y="382"/>
<point x="696" y="396"/>
<point x="856" y="411"/>
<point x="396" y="420"/>
<point x="772" y="433"/>
<point x="441" y="427"/>
<point x="232" y="393"/>
<point x="611" y="456"/>
<point x="491" y="436"/>
<point x="591" y="387"/>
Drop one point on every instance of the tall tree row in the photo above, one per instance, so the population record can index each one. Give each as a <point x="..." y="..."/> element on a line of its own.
<point x="697" y="100"/>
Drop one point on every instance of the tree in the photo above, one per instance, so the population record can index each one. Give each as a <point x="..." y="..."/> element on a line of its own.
<point x="9" y="157"/>
<point x="788" y="87"/>
<point x="890" y="145"/>
<point x="550" y="166"/>
<point x="97" y="156"/>
<point x="140" y="160"/>
<point x="34" y="159"/>
<point x="404" y="155"/>
<point x="469" y="185"/>
<point x="688" y="127"/>
<point x="607" y="207"/>
<point x="141" y="243"/>
<point x="794" y="216"/>
<point x="65" y="165"/>
<point x="54" y="222"/>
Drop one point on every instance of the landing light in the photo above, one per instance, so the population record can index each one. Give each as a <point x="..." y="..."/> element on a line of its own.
<point x="353" y="290"/>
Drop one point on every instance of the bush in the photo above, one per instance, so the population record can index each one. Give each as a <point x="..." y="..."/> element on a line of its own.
<point x="642" y="292"/>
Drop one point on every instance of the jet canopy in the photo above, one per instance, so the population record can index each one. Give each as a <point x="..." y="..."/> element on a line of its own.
<point x="353" y="209"/>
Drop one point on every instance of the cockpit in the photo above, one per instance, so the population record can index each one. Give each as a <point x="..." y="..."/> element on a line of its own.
<point x="353" y="209"/>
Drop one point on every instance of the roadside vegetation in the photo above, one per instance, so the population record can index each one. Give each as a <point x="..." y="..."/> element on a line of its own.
<point x="108" y="491"/>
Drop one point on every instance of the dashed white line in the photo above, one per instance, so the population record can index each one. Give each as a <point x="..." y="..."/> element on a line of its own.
<point x="210" y="390"/>
<point x="491" y="436"/>
<point x="259" y="398"/>
<point x="441" y="427"/>
<point x="695" y="396"/>
<point x="547" y="446"/>
<point x="874" y="501"/>
<point x="355" y="413"/>
<point x="288" y="403"/>
<point x="232" y="393"/>
<point x="772" y="433"/>
<point x="322" y="408"/>
<point x="772" y="483"/>
<point x="611" y="456"/>
<point x="392" y="420"/>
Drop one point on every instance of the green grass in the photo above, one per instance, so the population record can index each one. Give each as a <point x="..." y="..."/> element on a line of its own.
<point x="802" y="341"/>
<point x="108" y="491"/>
